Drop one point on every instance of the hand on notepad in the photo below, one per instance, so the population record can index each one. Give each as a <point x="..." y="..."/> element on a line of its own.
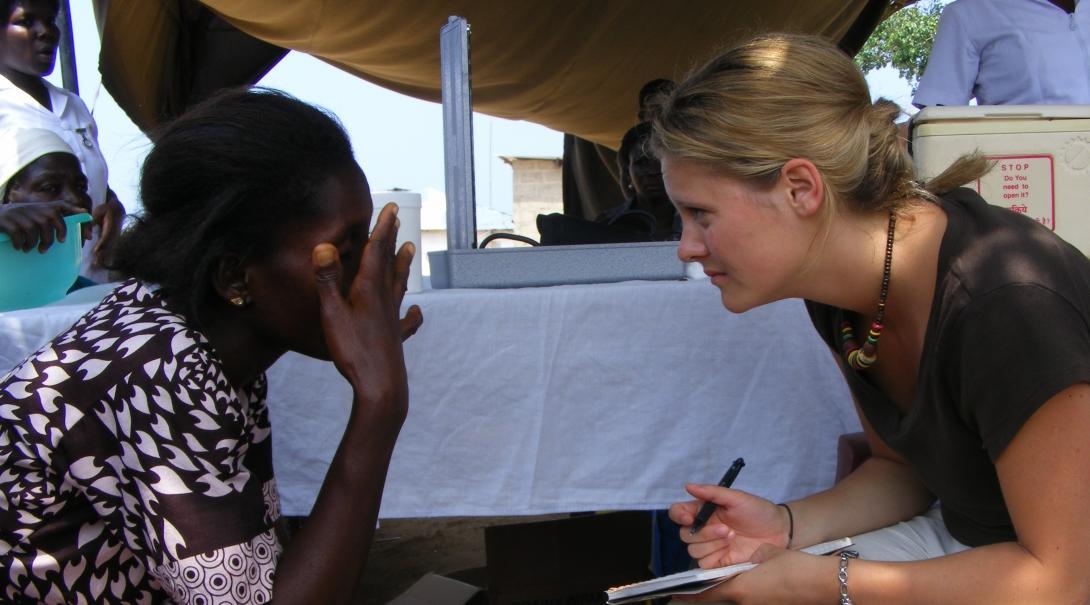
<point x="783" y="577"/>
<point x="775" y="576"/>
<point x="741" y="524"/>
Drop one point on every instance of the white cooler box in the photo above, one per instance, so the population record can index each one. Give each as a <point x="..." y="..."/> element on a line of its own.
<point x="1042" y="155"/>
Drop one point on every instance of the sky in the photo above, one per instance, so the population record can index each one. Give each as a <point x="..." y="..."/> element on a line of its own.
<point x="398" y="139"/>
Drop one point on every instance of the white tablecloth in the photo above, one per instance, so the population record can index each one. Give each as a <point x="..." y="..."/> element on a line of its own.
<point x="570" y="398"/>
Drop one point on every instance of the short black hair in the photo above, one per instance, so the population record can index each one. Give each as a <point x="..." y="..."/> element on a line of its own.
<point x="219" y="180"/>
<point x="651" y="90"/>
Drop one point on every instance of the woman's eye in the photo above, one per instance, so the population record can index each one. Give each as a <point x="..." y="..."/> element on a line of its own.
<point x="50" y="188"/>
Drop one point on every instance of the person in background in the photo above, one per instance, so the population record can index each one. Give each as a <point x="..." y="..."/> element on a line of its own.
<point x="648" y="93"/>
<point x="647" y="208"/>
<point x="961" y="328"/>
<point x="136" y="446"/>
<point x="40" y="183"/>
<point x="28" y="51"/>
<point x="1009" y="52"/>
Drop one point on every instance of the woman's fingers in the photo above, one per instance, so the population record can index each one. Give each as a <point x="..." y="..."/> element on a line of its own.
<point x="380" y="247"/>
<point x="23" y="229"/>
<point x="63" y="208"/>
<point x="684" y="513"/>
<point x="108" y="220"/>
<point x="327" y="275"/>
<point x="711" y="548"/>
<point x="402" y="264"/>
<point x="412" y="321"/>
<point x="19" y="240"/>
<point x="721" y="496"/>
<point x="46" y="221"/>
<point x="52" y="222"/>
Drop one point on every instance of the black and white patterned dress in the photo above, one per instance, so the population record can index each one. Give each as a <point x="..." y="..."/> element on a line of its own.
<point x="130" y="470"/>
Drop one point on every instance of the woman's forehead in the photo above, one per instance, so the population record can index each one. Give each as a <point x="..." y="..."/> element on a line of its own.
<point x="60" y="162"/>
<point x="38" y="7"/>
<point x="60" y="158"/>
<point x="342" y="200"/>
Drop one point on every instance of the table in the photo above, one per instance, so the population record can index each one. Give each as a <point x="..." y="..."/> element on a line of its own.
<point x="561" y="399"/>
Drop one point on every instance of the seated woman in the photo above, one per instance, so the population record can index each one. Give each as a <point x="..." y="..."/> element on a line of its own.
<point x="647" y="208"/>
<point x="136" y="446"/>
<point x="41" y="182"/>
<point x="962" y="329"/>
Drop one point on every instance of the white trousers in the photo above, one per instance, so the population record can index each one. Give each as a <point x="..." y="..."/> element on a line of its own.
<point x="921" y="537"/>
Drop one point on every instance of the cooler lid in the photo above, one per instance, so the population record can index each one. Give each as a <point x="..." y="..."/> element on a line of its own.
<point x="404" y="199"/>
<point x="1001" y="112"/>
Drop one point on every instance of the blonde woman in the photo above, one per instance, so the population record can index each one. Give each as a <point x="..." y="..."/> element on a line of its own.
<point x="961" y="328"/>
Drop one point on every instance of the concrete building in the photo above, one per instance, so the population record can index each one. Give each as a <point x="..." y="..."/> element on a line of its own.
<point x="537" y="189"/>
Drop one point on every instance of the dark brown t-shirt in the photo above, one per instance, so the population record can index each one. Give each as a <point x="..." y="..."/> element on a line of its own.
<point x="1009" y="328"/>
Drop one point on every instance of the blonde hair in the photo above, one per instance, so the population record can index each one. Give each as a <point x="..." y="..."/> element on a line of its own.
<point x="777" y="97"/>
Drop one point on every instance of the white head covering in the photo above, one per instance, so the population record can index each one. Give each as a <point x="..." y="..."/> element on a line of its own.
<point x="21" y="146"/>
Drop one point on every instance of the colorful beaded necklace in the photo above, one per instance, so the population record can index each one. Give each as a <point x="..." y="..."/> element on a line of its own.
<point x="861" y="358"/>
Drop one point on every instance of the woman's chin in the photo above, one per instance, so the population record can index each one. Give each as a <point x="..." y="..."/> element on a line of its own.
<point x="735" y="303"/>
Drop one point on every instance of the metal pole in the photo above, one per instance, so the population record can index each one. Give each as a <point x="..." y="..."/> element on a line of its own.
<point x="458" y="134"/>
<point x="66" y="51"/>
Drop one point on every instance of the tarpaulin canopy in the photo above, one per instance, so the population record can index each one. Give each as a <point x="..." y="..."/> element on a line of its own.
<point x="572" y="65"/>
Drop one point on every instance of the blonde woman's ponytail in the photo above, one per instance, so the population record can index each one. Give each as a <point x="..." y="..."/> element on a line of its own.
<point x="964" y="170"/>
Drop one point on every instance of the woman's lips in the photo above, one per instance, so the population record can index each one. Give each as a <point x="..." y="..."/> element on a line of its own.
<point x="715" y="276"/>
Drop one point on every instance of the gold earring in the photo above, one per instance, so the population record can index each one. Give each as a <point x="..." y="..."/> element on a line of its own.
<point x="238" y="301"/>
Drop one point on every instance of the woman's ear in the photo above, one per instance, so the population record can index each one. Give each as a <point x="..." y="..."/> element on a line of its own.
<point x="804" y="186"/>
<point x="229" y="280"/>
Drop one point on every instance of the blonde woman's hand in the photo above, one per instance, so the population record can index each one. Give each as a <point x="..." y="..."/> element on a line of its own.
<point x="783" y="577"/>
<point x="741" y="523"/>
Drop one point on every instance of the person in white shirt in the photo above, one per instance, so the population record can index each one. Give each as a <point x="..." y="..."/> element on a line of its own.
<point x="1009" y="52"/>
<point x="28" y="51"/>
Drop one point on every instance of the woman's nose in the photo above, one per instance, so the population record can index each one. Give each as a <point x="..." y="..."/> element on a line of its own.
<point x="691" y="248"/>
<point x="46" y="29"/>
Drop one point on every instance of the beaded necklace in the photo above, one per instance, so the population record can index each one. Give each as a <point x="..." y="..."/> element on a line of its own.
<point x="861" y="358"/>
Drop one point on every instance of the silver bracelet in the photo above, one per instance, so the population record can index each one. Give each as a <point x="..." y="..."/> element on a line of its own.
<point x="842" y="575"/>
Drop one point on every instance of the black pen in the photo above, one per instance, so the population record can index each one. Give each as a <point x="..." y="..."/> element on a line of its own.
<point x="708" y="508"/>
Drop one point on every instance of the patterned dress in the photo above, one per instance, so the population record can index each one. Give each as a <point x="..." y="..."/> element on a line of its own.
<point x="131" y="471"/>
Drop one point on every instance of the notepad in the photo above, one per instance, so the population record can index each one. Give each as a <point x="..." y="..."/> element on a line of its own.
<point x="695" y="581"/>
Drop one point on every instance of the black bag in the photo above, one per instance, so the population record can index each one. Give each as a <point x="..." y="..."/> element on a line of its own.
<point x="627" y="227"/>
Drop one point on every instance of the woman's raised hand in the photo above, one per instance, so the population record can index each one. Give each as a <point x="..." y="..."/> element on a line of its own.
<point x="741" y="523"/>
<point x="108" y="217"/>
<point x="363" y="327"/>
